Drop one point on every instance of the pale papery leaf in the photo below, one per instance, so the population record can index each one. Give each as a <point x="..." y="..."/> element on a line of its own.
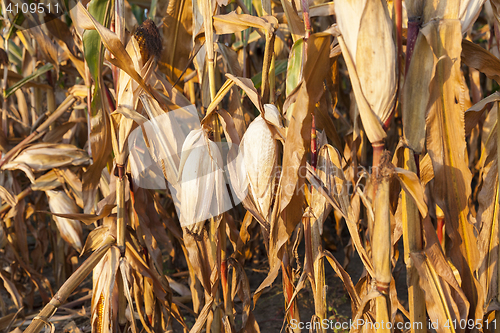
<point x="469" y="12"/>
<point x="248" y="88"/>
<point x="294" y="23"/>
<point x="234" y="23"/>
<point x="298" y="137"/>
<point x="416" y="93"/>
<point x="371" y="123"/>
<point x="7" y="197"/>
<point x="323" y="9"/>
<point x="179" y="26"/>
<point x="45" y="156"/>
<point x="488" y="208"/>
<point x="444" y="298"/>
<point x="348" y="14"/>
<point x="71" y="230"/>
<point x="48" y="181"/>
<point x="474" y="114"/>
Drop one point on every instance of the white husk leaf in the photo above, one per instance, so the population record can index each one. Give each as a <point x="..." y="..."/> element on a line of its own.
<point x="260" y="159"/>
<point x="202" y="192"/>
<point x="272" y="115"/>
<point x="469" y="11"/>
<point x="45" y="156"/>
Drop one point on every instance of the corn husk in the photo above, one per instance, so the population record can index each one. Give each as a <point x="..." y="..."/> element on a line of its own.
<point x="202" y="182"/>
<point x="259" y="150"/>
<point x="469" y="12"/>
<point x="71" y="230"/>
<point x="367" y="31"/>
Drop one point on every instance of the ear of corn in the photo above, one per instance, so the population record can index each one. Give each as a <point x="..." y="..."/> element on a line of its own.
<point x="260" y="162"/>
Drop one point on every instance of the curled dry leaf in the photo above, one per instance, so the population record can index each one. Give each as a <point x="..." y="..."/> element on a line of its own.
<point x="45" y="156"/>
<point x="469" y="11"/>
<point x="327" y="169"/>
<point x="71" y="230"/>
<point x="234" y="23"/>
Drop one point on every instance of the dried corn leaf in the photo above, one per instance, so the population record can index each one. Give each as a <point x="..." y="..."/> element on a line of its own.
<point x="371" y="123"/>
<point x="477" y="57"/>
<point x="45" y="156"/>
<point x="475" y="112"/>
<point x="469" y="12"/>
<point x="488" y="211"/>
<point x="447" y="149"/>
<point x="177" y="28"/>
<point x="295" y="24"/>
<point x="121" y="57"/>
<point x="445" y="300"/>
<point x="411" y="184"/>
<point x="298" y="139"/>
<point x="71" y="230"/>
<point x="234" y="23"/>
<point x="12" y="290"/>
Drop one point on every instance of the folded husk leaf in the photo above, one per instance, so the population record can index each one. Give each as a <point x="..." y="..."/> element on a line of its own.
<point x="45" y="156"/>
<point x="367" y="30"/>
<point x="71" y="230"/>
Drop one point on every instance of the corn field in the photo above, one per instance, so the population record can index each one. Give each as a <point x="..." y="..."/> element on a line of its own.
<point x="166" y="165"/>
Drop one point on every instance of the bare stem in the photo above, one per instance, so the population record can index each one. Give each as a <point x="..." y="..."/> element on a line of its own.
<point x="497" y="313"/>
<point x="412" y="240"/>
<point x="378" y="148"/>
<point x="67" y="288"/>
<point x="381" y="254"/>
<point x="268" y="55"/>
<point x="307" y="20"/>
<point x="121" y="225"/>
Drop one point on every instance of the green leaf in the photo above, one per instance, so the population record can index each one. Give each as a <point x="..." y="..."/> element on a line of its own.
<point x="92" y="45"/>
<point x="28" y="78"/>
<point x="280" y="68"/>
<point x="294" y="70"/>
<point x="18" y="20"/>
